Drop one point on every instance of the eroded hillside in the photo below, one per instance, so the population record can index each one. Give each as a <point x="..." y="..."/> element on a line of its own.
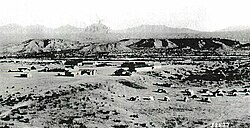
<point x="76" y="48"/>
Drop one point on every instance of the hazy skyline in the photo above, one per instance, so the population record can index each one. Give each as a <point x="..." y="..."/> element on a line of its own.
<point x="205" y="15"/>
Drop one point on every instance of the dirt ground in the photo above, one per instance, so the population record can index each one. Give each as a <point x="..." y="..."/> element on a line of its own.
<point x="47" y="100"/>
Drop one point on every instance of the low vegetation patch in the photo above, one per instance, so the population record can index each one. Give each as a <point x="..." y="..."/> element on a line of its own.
<point x="131" y="84"/>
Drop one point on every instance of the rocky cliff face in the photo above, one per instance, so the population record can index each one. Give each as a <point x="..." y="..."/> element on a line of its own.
<point x="97" y="28"/>
<point x="194" y="43"/>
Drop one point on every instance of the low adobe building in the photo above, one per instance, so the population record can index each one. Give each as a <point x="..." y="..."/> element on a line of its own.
<point x="76" y="71"/>
<point x="88" y="71"/>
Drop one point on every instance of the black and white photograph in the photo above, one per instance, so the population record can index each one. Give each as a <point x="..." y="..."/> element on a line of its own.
<point x="124" y="64"/>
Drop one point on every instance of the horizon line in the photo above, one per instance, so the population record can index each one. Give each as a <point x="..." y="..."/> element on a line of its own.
<point x="50" y="27"/>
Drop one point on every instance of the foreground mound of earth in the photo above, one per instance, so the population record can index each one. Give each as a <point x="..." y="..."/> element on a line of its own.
<point x="109" y="104"/>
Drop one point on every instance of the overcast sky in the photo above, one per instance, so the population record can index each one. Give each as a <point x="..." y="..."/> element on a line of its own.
<point x="206" y="15"/>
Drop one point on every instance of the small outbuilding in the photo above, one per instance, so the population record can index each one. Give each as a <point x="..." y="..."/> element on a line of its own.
<point x="32" y="68"/>
<point x="122" y="72"/>
<point x="206" y="100"/>
<point x="23" y="69"/>
<point x="88" y="71"/>
<point x="72" y="73"/>
<point x="78" y="72"/>
<point x="26" y="75"/>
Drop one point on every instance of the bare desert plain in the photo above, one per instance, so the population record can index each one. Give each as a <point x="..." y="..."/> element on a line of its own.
<point x="149" y="97"/>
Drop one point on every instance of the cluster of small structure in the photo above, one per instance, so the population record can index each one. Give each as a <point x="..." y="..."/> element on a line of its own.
<point x="70" y="68"/>
<point x="131" y="68"/>
<point x="68" y="106"/>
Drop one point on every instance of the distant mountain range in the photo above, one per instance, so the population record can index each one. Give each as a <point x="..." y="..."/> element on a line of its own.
<point x="236" y="29"/>
<point x="14" y="34"/>
<point x="94" y="28"/>
<point x="156" y="29"/>
<point x="101" y="28"/>
<point x="40" y="29"/>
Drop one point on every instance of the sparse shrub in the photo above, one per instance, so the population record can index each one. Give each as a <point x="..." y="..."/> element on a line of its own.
<point x="131" y="84"/>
